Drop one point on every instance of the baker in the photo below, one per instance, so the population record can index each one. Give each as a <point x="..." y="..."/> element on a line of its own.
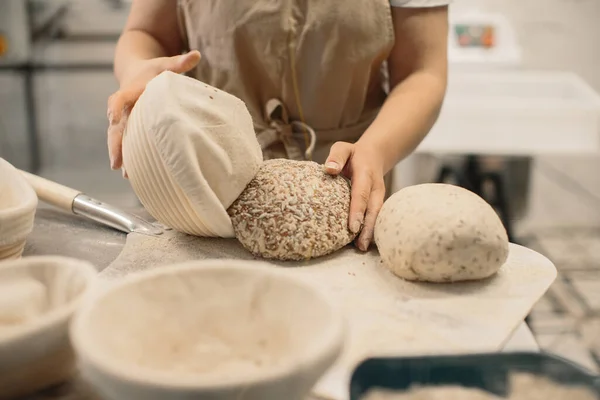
<point x="313" y="74"/>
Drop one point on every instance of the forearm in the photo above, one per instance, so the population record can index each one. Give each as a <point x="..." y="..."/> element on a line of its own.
<point x="406" y="117"/>
<point x="134" y="46"/>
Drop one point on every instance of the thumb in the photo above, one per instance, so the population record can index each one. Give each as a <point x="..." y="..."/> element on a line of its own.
<point x="339" y="155"/>
<point x="184" y="62"/>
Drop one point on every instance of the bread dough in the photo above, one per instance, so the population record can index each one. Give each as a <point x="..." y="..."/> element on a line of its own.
<point x="18" y="203"/>
<point x="190" y="150"/>
<point x="440" y="233"/>
<point x="293" y="210"/>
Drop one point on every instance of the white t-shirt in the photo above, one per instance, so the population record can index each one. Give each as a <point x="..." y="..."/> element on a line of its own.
<point x="419" y="3"/>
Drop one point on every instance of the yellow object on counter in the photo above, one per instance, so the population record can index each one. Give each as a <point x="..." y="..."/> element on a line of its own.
<point x="3" y="45"/>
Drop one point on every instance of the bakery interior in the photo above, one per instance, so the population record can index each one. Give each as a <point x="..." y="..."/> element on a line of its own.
<point x="520" y="127"/>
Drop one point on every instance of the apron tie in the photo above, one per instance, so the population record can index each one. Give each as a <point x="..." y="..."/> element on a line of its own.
<point x="290" y="134"/>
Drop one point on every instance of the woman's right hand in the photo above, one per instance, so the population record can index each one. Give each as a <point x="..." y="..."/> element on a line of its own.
<point x="133" y="84"/>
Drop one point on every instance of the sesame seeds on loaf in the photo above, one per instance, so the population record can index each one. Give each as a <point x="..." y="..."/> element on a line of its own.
<point x="292" y="210"/>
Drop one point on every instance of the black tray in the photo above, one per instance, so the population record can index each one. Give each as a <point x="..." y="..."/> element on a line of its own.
<point x="484" y="371"/>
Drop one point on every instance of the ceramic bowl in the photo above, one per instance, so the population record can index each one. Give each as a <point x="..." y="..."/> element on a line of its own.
<point x="218" y="329"/>
<point x="38" y="296"/>
<point x="18" y="203"/>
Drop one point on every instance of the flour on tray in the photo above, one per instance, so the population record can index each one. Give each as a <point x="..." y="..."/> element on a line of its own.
<point x="523" y="386"/>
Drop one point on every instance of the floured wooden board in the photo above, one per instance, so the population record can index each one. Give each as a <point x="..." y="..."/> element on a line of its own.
<point x="386" y="315"/>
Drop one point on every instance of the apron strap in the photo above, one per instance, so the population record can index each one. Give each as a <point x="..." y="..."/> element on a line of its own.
<point x="182" y="26"/>
<point x="290" y="134"/>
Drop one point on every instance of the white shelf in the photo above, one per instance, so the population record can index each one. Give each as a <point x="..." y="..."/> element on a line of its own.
<point x="517" y="113"/>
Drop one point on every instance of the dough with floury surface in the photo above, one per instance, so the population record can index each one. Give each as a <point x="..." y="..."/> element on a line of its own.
<point x="189" y="150"/>
<point x="440" y="233"/>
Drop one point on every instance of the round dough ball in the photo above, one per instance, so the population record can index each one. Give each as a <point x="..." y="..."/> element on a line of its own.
<point x="190" y="150"/>
<point x="440" y="233"/>
<point x="293" y="210"/>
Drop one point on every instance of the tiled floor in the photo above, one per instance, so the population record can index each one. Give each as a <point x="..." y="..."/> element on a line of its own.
<point x="566" y="321"/>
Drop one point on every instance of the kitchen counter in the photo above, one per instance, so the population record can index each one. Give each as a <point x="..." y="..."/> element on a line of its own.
<point x="59" y="233"/>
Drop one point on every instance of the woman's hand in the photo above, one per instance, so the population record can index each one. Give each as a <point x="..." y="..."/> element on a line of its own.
<point x="133" y="84"/>
<point x="418" y="73"/>
<point x="364" y="167"/>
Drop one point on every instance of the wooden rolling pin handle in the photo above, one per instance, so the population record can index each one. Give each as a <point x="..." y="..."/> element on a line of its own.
<point x="52" y="193"/>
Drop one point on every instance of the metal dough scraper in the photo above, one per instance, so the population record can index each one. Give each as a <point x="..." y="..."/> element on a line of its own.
<point x="75" y="202"/>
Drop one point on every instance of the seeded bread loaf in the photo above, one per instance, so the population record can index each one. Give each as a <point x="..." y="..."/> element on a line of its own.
<point x="292" y="210"/>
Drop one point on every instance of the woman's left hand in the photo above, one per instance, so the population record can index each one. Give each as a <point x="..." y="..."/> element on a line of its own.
<point x="364" y="167"/>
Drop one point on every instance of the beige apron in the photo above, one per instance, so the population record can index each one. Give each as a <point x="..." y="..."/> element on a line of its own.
<point x="309" y="71"/>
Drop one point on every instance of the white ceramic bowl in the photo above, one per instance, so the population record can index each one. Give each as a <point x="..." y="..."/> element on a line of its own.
<point x="217" y="329"/>
<point x="18" y="202"/>
<point x="38" y="296"/>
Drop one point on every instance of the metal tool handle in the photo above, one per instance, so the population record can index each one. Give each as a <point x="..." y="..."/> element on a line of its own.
<point x="51" y="192"/>
<point x="111" y="216"/>
<point x="75" y="202"/>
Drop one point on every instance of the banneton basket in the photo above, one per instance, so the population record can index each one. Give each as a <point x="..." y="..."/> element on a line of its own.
<point x="38" y="296"/>
<point x="18" y="203"/>
<point x="218" y="329"/>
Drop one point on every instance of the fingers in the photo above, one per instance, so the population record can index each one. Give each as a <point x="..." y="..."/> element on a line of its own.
<point x="119" y="106"/>
<point x="121" y="102"/>
<point x="339" y="155"/>
<point x="115" y="142"/>
<point x="115" y="107"/>
<point x="359" y="198"/>
<point x="373" y="207"/>
<point x="183" y="63"/>
<point x="367" y="193"/>
<point x="114" y="114"/>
